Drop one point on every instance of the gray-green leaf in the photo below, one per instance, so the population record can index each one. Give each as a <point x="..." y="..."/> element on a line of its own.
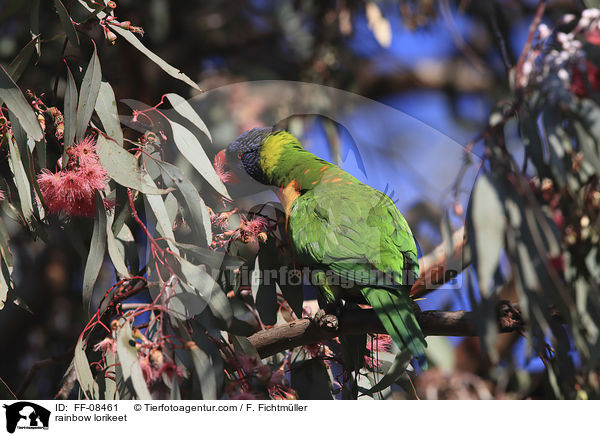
<point x="16" y="102"/>
<point x="90" y="87"/>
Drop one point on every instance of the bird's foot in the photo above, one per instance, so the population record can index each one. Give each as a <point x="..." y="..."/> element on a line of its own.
<point x="327" y="321"/>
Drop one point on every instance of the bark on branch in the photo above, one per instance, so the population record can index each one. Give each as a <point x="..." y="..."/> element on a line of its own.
<point x="439" y="266"/>
<point x="433" y="323"/>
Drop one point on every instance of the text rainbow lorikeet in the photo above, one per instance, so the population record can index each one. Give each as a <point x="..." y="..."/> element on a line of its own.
<point x="336" y="225"/>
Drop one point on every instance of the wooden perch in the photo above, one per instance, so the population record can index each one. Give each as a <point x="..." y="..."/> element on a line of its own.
<point x="433" y="323"/>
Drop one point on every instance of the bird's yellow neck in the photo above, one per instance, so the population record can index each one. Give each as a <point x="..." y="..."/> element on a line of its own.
<point x="287" y="195"/>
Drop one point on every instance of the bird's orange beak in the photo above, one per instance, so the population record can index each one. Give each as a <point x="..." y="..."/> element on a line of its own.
<point x="223" y="170"/>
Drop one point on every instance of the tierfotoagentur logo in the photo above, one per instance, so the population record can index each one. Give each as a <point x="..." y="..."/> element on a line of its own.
<point x="26" y="416"/>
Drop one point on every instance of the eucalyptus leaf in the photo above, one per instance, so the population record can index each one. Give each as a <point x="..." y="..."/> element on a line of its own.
<point x="488" y="221"/>
<point x="310" y="379"/>
<point x="172" y="71"/>
<point x="205" y="372"/>
<point x="16" y="102"/>
<point x="190" y="148"/>
<point x="395" y="372"/>
<point x="163" y="222"/>
<point x="70" y="111"/>
<point x="198" y="217"/>
<point x="242" y="345"/>
<point x="16" y="68"/>
<point x="110" y="385"/>
<point x="265" y="295"/>
<point x="106" y="108"/>
<point x="126" y="350"/>
<point x="123" y="168"/>
<point x="89" y="386"/>
<point x="88" y="94"/>
<point x="4" y="288"/>
<point x="66" y="22"/>
<point x="183" y="107"/>
<point x="116" y="256"/>
<point x="208" y="289"/>
<point x="96" y="254"/>
<point x="20" y="179"/>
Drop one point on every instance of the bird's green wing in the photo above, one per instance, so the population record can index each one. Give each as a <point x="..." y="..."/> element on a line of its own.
<point x="357" y="232"/>
<point x="393" y="308"/>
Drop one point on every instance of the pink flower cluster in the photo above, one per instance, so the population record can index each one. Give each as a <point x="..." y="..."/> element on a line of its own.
<point x="71" y="190"/>
<point x="250" y="230"/>
<point x="155" y="364"/>
<point x="377" y="343"/>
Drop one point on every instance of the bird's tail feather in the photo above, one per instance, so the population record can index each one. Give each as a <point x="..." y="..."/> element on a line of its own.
<point x="395" y="312"/>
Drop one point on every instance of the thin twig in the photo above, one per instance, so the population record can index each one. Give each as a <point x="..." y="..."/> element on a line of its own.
<point x="54" y="360"/>
<point x="532" y="28"/>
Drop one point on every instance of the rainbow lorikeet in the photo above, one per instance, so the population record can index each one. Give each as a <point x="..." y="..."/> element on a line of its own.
<point x="352" y="235"/>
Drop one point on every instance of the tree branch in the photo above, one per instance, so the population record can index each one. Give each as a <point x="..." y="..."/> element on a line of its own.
<point x="437" y="267"/>
<point x="433" y="323"/>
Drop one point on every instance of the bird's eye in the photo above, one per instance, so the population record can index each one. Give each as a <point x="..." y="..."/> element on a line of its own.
<point x="240" y="155"/>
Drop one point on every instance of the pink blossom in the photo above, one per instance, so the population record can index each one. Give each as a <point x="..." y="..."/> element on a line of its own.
<point x="169" y="368"/>
<point x="72" y="189"/>
<point x="150" y="375"/>
<point x="105" y="345"/>
<point x="155" y="364"/>
<point x="256" y="225"/>
<point x="380" y="342"/>
<point x="84" y="152"/>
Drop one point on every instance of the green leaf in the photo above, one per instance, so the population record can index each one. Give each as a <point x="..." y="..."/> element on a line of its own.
<point x="21" y="180"/>
<point x="116" y="256"/>
<point x="265" y="294"/>
<point x="16" y="102"/>
<point x="440" y="351"/>
<point x="4" y="288"/>
<point x="84" y="374"/>
<point x="16" y="68"/>
<point x="130" y="365"/>
<point x="487" y="230"/>
<point x="398" y="368"/>
<point x="184" y="109"/>
<point x="172" y="71"/>
<point x="66" y="22"/>
<point x="6" y="264"/>
<point x="110" y="385"/>
<point x="88" y="94"/>
<point x="106" y="108"/>
<point x="27" y="162"/>
<point x="205" y="372"/>
<point x="4" y="244"/>
<point x="185" y="302"/>
<point x="96" y="254"/>
<point x="163" y="222"/>
<point x="191" y="149"/>
<point x="175" y="392"/>
<point x="198" y="216"/>
<point x="242" y="345"/>
<point x="123" y="168"/>
<point x="214" y="259"/>
<point x="208" y="289"/>
<point x="70" y="113"/>
<point x="310" y="379"/>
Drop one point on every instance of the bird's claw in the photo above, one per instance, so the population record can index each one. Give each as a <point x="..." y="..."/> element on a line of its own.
<point x="326" y="320"/>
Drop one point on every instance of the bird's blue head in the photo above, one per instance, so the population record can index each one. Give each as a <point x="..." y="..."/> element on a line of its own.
<point x="242" y="157"/>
